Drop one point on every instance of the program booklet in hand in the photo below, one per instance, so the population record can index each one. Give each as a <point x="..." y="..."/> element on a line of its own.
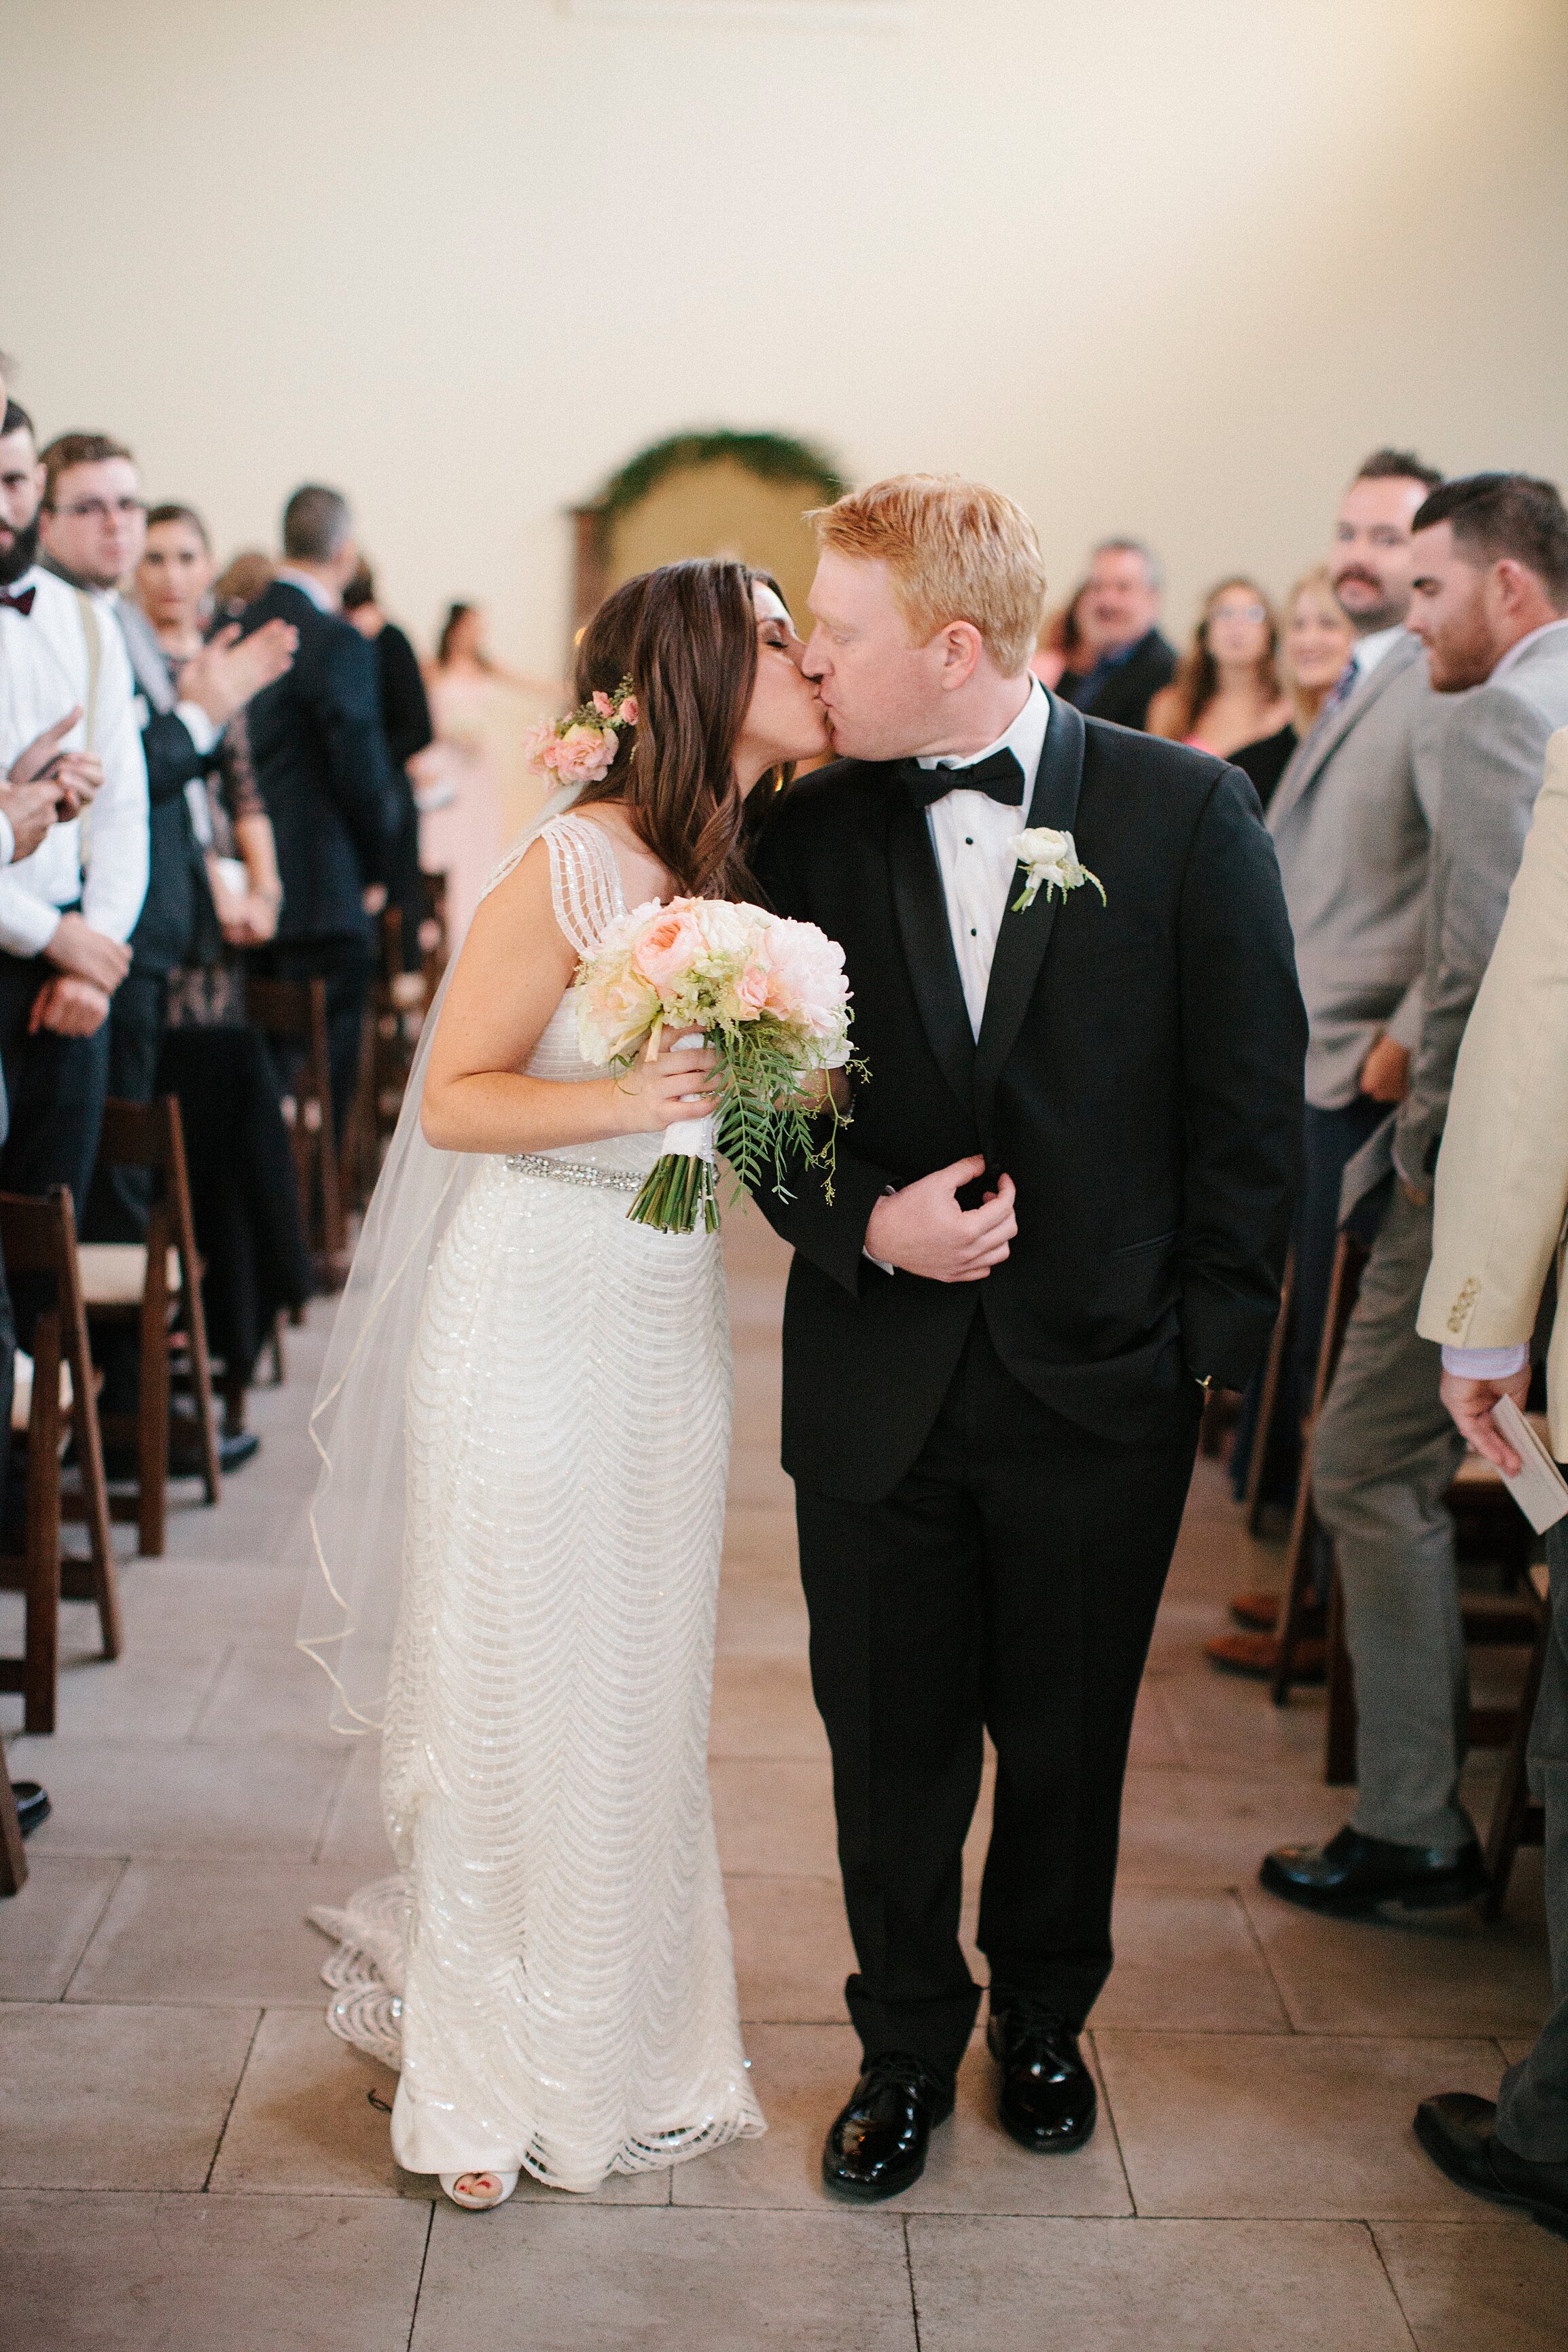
<point x="1539" y="1488"/>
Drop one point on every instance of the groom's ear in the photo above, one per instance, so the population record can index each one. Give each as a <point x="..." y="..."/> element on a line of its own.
<point x="961" y="649"/>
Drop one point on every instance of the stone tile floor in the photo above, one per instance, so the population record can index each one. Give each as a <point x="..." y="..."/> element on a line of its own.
<point x="190" y="2163"/>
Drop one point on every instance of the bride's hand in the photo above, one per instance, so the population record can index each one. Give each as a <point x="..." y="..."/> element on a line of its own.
<point x="653" y="1094"/>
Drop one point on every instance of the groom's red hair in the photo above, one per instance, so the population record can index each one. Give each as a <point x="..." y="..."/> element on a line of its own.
<point x="956" y="551"/>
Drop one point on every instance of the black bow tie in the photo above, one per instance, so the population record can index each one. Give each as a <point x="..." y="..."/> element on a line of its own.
<point x="1000" y="778"/>
<point x="22" y="604"/>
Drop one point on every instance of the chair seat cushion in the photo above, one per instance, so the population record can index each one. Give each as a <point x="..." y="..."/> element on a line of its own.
<point x="22" y="1394"/>
<point x="114" y="1273"/>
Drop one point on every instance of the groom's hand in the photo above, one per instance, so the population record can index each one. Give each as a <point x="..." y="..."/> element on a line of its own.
<point x="923" y="1229"/>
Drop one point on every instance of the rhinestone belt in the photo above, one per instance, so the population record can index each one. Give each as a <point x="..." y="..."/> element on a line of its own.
<point x="575" y="1172"/>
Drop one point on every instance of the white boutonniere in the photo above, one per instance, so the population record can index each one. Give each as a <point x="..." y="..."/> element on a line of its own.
<point x="1049" y="859"/>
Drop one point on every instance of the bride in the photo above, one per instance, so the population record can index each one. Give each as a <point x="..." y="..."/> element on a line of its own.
<point x="527" y="1404"/>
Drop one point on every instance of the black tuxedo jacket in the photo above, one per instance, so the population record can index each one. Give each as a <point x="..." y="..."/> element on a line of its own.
<point x="1138" y="1073"/>
<point x="177" y="922"/>
<point x="1124" y="694"/>
<point x="322" y="767"/>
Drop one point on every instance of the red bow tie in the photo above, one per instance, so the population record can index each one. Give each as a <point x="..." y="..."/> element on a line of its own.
<point x="22" y="604"/>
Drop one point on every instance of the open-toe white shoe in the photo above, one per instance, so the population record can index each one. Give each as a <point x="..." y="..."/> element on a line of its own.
<point x="477" y="2191"/>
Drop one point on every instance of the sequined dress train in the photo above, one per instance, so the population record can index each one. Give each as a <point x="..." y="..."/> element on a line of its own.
<point x="552" y="1964"/>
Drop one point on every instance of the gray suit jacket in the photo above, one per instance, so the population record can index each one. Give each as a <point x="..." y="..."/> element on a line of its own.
<point x="1494" y="755"/>
<point x="1352" y="821"/>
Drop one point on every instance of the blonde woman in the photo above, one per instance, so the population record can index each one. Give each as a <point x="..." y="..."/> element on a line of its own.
<point x="1317" y="645"/>
<point x="1226" y="689"/>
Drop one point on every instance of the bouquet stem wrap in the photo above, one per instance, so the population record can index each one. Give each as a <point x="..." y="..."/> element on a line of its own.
<point x="770" y="1000"/>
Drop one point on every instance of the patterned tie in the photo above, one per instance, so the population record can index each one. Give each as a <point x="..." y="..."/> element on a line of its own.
<point x="1000" y="778"/>
<point x="22" y="604"/>
<point x="1343" y="686"/>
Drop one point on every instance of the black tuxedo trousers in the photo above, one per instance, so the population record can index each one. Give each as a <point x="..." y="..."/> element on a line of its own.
<point x="1008" y="1585"/>
<point x="989" y="1476"/>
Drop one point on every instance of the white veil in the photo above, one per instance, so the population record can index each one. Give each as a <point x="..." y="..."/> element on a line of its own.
<point x="352" y="1531"/>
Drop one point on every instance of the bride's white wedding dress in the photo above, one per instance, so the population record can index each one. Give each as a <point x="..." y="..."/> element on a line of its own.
<point x="552" y="1968"/>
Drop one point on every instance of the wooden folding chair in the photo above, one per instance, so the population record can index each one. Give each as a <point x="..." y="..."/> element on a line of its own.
<point x="1270" y="1397"/>
<point x="39" y="1237"/>
<point x="295" y="1010"/>
<point x="147" y="1283"/>
<point x="13" y="1855"/>
<point x="434" y="959"/>
<point x="1517" y="1820"/>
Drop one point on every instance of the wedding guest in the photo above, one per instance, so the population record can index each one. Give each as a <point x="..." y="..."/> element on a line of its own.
<point x="1119" y="621"/>
<point x="188" y="701"/>
<point x="1502" y="1196"/>
<point x="405" y="717"/>
<point x="244" y="578"/>
<point x="1491" y="608"/>
<point x="175" y="590"/>
<point x="1317" y="645"/>
<point x="325" y="777"/>
<point x="68" y="910"/>
<point x="1351" y="822"/>
<point x="475" y="789"/>
<point x="1060" y="650"/>
<point x="1226" y="690"/>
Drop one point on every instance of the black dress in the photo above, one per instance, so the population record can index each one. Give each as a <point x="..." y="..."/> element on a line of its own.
<point x="1266" y="760"/>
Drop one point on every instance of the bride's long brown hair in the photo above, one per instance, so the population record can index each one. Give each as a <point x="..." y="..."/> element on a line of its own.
<point x="686" y="636"/>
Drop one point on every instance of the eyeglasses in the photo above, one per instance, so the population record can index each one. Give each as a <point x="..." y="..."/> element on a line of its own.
<point x="1239" y="613"/>
<point x="101" y="510"/>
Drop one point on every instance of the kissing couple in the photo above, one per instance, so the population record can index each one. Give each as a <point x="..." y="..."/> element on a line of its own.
<point x="1060" y="1214"/>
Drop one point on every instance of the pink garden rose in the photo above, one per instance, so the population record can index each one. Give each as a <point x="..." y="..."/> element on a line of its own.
<point x="583" y="755"/>
<point x="672" y="944"/>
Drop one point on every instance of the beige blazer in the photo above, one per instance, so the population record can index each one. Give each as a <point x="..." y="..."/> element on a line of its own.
<point x="1502" y="1173"/>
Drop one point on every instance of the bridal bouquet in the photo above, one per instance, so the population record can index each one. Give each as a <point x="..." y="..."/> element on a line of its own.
<point x="770" y="998"/>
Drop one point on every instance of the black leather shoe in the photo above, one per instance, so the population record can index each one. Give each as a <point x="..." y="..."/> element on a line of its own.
<point x="1353" y="1873"/>
<point x="877" y="2145"/>
<point x="1046" y="2100"/>
<point x="1458" y="2133"/>
<point x="32" y="1804"/>
<point x="233" y="1451"/>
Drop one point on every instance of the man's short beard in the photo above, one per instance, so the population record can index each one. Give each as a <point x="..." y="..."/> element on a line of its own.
<point x="20" y="556"/>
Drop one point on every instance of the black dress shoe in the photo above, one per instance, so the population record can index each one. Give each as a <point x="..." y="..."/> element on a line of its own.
<point x="32" y="1804"/>
<point x="1458" y="2133"/>
<point x="877" y="2145"/>
<point x="1353" y="1873"/>
<point x="1047" y="2099"/>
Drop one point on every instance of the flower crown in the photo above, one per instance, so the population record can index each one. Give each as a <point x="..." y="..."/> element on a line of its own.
<point x="581" y="747"/>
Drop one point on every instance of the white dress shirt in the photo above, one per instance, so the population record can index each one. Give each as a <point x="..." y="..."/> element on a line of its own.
<point x="970" y="835"/>
<point x="100" y="857"/>
<point x="1367" y="652"/>
<point x="308" y="585"/>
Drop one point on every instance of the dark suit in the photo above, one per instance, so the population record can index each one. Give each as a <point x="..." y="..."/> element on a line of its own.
<point x="1121" y="690"/>
<point x="989" y="1476"/>
<point x="405" y="716"/>
<point x="322" y="767"/>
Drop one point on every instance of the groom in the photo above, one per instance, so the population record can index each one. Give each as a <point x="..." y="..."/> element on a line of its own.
<point x="1060" y="1214"/>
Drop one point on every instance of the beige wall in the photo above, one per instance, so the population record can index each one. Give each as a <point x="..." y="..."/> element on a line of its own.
<point x="1166" y="265"/>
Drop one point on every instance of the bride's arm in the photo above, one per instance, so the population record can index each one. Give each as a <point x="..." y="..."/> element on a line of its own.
<point x="513" y="971"/>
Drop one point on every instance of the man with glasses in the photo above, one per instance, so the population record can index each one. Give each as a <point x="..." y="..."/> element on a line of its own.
<point x="68" y="910"/>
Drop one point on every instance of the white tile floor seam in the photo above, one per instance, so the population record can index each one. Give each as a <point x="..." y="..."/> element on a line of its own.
<point x="216" y="2173"/>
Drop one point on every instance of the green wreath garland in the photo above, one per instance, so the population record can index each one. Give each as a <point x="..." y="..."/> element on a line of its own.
<point x="771" y="456"/>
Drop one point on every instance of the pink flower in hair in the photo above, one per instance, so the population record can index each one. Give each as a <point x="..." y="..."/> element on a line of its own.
<point x="602" y="705"/>
<point x="584" y="754"/>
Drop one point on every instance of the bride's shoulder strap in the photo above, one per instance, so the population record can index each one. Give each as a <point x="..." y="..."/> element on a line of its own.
<point x="584" y="880"/>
